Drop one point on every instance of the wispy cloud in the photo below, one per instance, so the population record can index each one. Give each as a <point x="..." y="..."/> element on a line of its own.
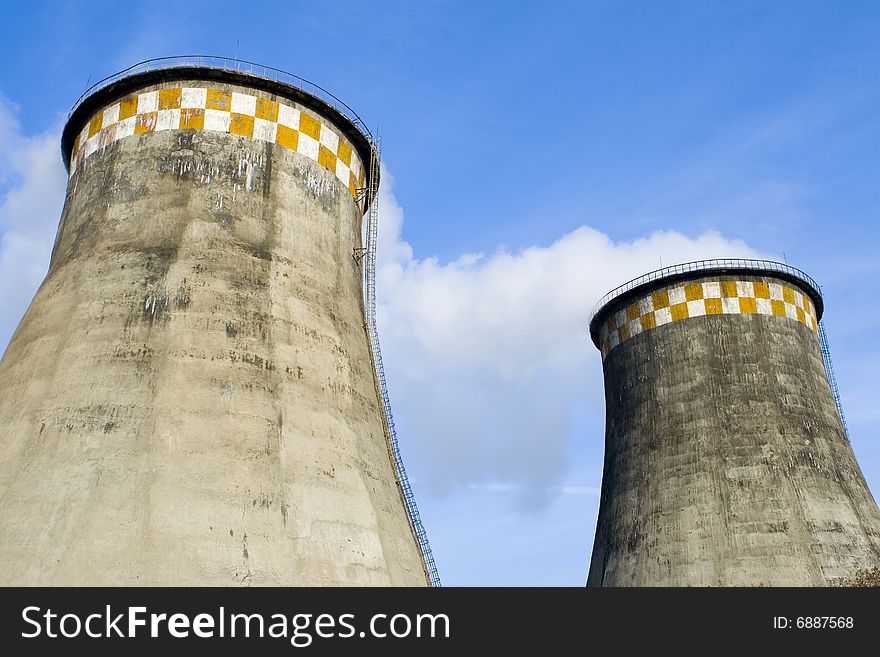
<point x="589" y="491"/>
<point x="494" y="487"/>
<point x="31" y="197"/>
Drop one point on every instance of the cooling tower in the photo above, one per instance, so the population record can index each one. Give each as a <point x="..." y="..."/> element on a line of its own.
<point x="726" y="461"/>
<point x="191" y="398"/>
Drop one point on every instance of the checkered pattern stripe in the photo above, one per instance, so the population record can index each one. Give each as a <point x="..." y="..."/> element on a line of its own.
<point x="706" y="298"/>
<point x="196" y="108"/>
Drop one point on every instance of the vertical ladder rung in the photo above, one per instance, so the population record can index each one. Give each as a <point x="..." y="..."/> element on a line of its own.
<point x="371" y="196"/>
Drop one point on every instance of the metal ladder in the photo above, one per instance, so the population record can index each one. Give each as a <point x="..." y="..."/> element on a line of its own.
<point x="371" y="197"/>
<point x="829" y="371"/>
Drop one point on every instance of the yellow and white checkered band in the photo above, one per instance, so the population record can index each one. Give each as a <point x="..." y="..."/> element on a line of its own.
<point x="196" y="108"/>
<point x="706" y="298"/>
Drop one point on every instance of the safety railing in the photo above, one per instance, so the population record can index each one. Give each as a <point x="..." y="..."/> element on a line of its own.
<point x="704" y="265"/>
<point x="237" y="66"/>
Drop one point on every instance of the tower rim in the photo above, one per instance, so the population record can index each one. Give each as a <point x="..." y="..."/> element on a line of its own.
<point x="221" y="69"/>
<point x="641" y="284"/>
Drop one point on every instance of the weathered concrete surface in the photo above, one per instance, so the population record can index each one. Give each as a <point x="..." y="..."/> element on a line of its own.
<point x="725" y="461"/>
<point x="189" y="398"/>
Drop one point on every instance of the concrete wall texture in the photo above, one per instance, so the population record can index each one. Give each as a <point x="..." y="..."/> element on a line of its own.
<point x="726" y="463"/>
<point x="190" y="397"/>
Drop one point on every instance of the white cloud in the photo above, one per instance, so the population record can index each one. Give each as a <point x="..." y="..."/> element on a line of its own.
<point x="32" y="180"/>
<point x="489" y="356"/>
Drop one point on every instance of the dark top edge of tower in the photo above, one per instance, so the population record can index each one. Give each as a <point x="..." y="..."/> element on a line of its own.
<point x="638" y="286"/>
<point x="222" y="69"/>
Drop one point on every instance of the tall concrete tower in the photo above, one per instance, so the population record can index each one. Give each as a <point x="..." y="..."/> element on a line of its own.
<point x="191" y="396"/>
<point x="726" y="461"/>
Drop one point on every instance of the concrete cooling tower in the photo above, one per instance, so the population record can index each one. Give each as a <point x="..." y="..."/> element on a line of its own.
<point x="195" y="394"/>
<point x="726" y="459"/>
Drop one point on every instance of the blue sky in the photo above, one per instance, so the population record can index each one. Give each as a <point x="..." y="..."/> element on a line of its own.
<point x="536" y="154"/>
